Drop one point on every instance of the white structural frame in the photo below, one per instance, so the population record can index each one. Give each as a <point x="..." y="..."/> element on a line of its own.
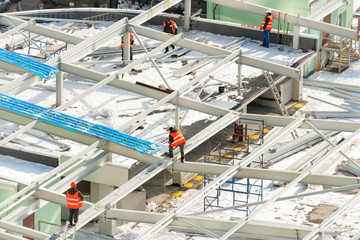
<point x="97" y="150"/>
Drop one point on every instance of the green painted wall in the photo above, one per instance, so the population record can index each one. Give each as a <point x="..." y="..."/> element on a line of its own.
<point x="293" y="7"/>
<point x="234" y="15"/>
<point x="49" y="213"/>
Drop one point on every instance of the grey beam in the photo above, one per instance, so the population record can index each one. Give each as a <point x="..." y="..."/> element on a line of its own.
<point x="23" y="230"/>
<point x="290" y="18"/>
<point x="45" y="31"/>
<point x="185" y="102"/>
<point x="331" y="85"/>
<point x="272" y="67"/>
<point x="266" y="174"/>
<point x="256" y="228"/>
<point x="185" y="43"/>
<point x="302" y="195"/>
<point x="230" y="172"/>
<point x="75" y="136"/>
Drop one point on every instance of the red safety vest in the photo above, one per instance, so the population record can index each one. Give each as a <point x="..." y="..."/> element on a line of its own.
<point x="131" y="41"/>
<point x="73" y="200"/>
<point x="269" y="26"/>
<point x="178" y="139"/>
<point x="171" y="25"/>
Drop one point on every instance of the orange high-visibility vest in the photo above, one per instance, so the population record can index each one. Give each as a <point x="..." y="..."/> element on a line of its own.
<point x="269" y="26"/>
<point x="171" y="25"/>
<point x="178" y="139"/>
<point x="131" y="41"/>
<point x="73" y="200"/>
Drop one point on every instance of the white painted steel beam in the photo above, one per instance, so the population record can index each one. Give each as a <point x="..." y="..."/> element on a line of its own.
<point x="290" y="18"/>
<point x="8" y="236"/>
<point x="155" y="10"/>
<point x="75" y="136"/>
<point x="252" y="204"/>
<point x="269" y="66"/>
<point x="331" y="85"/>
<point x="23" y="230"/>
<point x="185" y="43"/>
<point x="230" y="172"/>
<point x="14" y="30"/>
<point x="313" y="168"/>
<point x="265" y="174"/>
<point x="254" y="229"/>
<point x="45" y="31"/>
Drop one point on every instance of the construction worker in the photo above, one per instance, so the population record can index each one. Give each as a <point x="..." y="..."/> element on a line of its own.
<point x="74" y="202"/>
<point x="170" y="27"/>
<point x="266" y="26"/>
<point x="131" y="46"/>
<point x="176" y="139"/>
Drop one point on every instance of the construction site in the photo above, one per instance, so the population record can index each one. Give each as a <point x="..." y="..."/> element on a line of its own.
<point x="272" y="134"/>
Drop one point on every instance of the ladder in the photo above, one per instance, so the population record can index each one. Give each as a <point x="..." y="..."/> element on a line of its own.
<point x="278" y="99"/>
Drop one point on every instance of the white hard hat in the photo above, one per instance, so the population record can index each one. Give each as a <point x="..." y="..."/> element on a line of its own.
<point x="268" y="10"/>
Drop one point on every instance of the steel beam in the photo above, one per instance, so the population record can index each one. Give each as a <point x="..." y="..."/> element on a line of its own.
<point x="316" y="165"/>
<point x="185" y="43"/>
<point x="75" y="136"/>
<point x="280" y="121"/>
<point x="266" y="174"/>
<point x="269" y="66"/>
<point x="45" y="31"/>
<point x="331" y="85"/>
<point x="23" y="230"/>
<point x="230" y="172"/>
<point x="254" y="229"/>
<point x="290" y="18"/>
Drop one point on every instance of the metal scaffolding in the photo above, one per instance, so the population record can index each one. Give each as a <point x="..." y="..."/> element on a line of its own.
<point x="233" y="144"/>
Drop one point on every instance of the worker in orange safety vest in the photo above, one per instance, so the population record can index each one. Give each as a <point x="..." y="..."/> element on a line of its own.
<point x="74" y="202"/>
<point x="267" y="26"/>
<point x="131" y="46"/>
<point x="176" y="139"/>
<point x="170" y="27"/>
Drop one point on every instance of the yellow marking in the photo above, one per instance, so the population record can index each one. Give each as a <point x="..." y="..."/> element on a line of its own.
<point x="238" y="149"/>
<point x="255" y="137"/>
<point x="188" y="185"/>
<point x="228" y="156"/>
<point x="266" y="130"/>
<point x="198" y="177"/>
<point x="298" y="105"/>
<point x="177" y="193"/>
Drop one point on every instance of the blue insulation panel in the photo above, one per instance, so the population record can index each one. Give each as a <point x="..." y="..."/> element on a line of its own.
<point x="76" y="124"/>
<point x="40" y="69"/>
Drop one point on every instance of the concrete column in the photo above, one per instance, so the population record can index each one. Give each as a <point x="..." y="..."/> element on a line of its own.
<point x="187" y="15"/>
<point x="59" y="88"/>
<point x="296" y="36"/>
<point x="298" y="86"/>
<point x="98" y="191"/>
<point x="126" y="46"/>
<point x="178" y="178"/>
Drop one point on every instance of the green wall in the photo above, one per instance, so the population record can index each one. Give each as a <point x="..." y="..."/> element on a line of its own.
<point x="293" y="7"/>
<point x="49" y="213"/>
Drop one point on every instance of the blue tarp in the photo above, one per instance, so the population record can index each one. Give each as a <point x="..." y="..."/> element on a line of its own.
<point x="40" y="69"/>
<point x="76" y="124"/>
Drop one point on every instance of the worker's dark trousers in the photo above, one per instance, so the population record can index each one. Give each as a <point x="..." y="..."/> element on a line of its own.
<point x="181" y="146"/>
<point x="74" y="213"/>
<point x="266" y="38"/>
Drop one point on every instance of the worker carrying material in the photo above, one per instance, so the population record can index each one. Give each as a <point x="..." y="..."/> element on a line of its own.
<point x="170" y="27"/>
<point x="176" y="139"/>
<point x="131" y="46"/>
<point x="74" y="202"/>
<point x="267" y="26"/>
